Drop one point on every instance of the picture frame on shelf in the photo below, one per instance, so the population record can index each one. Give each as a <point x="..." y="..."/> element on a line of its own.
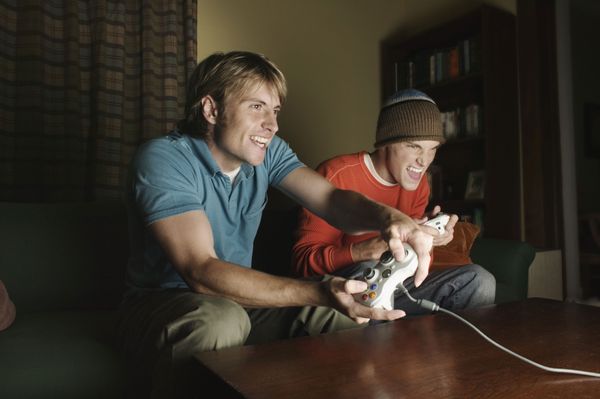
<point x="592" y="129"/>
<point x="475" y="185"/>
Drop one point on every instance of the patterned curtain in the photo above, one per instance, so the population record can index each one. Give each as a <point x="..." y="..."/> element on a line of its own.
<point x="82" y="84"/>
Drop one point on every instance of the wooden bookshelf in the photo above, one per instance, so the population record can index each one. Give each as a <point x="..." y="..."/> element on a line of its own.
<point x="492" y="87"/>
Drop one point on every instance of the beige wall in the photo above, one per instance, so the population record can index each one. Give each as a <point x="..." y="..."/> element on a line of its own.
<point x="329" y="52"/>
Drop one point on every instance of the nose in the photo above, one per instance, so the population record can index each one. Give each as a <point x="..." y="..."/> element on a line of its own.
<point x="425" y="158"/>
<point x="270" y="123"/>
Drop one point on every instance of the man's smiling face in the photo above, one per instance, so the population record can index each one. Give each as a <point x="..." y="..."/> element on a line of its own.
<point x="245" y="127"/>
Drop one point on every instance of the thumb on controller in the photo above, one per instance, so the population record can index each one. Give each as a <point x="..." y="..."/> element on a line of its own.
<point x="355" y="286"/>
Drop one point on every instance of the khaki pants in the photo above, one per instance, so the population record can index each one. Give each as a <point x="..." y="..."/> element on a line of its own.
<point x="160" y="332"/>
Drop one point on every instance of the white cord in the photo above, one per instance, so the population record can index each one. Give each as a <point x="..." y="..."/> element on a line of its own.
<point x="436" y="308"/>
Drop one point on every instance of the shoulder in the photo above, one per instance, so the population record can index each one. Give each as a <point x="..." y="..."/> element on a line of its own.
<point x="170" y="151"/>
<point x="279" y="161"/>
<point x="169" y="146"/>
<point x="277" y="147"/>
<point x="167" y="162"/>
<point x="339" y="163"/>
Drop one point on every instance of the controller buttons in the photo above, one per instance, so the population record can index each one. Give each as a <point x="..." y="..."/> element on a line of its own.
<point x="365" y="297"/>
<point x="369" y="273"/>
<point x="386" y="257"/>
<point x="373" y="287"/>
<point x="372" y="294"/>
<point x="387" y="273"/>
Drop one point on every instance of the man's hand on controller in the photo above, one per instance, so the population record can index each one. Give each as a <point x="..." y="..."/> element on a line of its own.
<point x="341" y="293"/>
<point x="406" y="230"/>
<point x="447" y="235"/>
<point x="370" y="249"/>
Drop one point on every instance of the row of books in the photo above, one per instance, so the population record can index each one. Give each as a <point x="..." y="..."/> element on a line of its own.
<point x="426" y="68"/>
<point x="462" y="122"/>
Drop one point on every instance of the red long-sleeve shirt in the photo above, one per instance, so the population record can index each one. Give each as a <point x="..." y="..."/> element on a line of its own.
<point x="321" y="248"/>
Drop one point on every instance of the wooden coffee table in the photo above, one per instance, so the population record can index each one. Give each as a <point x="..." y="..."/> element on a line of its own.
<point x="433" y="356"/>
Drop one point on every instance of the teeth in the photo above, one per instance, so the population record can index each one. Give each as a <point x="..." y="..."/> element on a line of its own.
<point x="416" y="170"/>
<point x="261" y="141"/>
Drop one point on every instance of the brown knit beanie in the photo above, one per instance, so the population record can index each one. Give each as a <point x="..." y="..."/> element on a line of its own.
<point x="409" y="115"/>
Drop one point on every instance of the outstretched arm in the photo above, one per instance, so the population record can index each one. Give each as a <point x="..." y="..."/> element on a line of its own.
<point x="321" y="248"/>
<point x="188" y="242"/>
<point x="354" y="213"/>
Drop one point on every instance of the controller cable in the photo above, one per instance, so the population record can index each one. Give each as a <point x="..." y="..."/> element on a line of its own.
<point x="434" y="307"/>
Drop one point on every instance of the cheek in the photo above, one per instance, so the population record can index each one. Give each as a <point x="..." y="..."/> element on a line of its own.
<point x="401" y="160"/>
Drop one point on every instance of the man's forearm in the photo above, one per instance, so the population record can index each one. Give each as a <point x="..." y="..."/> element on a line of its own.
<point x="354" y="213"/>
<point x="252" y="288"/>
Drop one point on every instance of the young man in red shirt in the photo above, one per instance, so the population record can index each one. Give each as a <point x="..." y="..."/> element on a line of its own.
<point x="409" y="132"/>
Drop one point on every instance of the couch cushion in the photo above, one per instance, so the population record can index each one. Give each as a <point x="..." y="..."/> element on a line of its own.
<point x="508" y="261"/>
<point x="61" y="355"/>
<point x="63" y="256"/>
<point x="457" y="252"/>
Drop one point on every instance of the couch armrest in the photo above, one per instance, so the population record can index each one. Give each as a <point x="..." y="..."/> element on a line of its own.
<point x="508" y="261"/>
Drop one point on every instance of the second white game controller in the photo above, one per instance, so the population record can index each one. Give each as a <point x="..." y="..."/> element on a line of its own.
<point x="383" y="279"/>
<point x="439" y="222"/>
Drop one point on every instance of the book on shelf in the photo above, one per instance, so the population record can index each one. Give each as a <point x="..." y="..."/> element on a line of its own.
<point x="453" y="63"/>
<point x="472" y="120"/>
<point x="462" y="122"/>
<point x="429" y="67"/>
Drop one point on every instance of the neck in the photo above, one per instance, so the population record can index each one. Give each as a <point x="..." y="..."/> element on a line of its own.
<point x="379" y="162"/>
<point x="225" y="162"/>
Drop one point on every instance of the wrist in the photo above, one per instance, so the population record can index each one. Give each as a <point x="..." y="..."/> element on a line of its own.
<point x="323" y="295"/>
<point x="358" y="252"/>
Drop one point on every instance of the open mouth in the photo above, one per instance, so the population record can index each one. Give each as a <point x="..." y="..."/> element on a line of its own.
<point x="414" y="173"/>
<point x="260" y="141"/>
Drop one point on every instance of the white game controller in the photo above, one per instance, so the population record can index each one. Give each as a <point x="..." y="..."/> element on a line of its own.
<point x="439" y="222"/>
<point x="383" y="279"/>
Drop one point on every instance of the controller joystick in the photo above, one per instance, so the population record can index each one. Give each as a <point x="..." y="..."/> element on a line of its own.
<point x="383" y="279"/>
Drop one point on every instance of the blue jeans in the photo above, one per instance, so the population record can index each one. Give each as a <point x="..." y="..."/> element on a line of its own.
<point x="456" y="288"/>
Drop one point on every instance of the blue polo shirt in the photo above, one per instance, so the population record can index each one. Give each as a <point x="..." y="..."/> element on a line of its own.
<point x="177" y="173"/>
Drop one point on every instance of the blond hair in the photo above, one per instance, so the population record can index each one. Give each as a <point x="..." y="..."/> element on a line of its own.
<point x="222" y="75"/>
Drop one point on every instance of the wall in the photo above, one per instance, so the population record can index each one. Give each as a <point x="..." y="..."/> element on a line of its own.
<point x="329" y="52"/>
<point x="585" y="51"/>
<point x="545" y="276"/>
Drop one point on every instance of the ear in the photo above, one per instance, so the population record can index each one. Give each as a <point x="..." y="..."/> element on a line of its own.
<point x="209" y="109"/>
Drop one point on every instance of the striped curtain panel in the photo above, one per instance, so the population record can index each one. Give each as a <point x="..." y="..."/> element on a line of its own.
<point x="82" y="84"/>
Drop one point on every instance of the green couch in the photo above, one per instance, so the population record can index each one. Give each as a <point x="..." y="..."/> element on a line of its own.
<point x="63" y="266"/>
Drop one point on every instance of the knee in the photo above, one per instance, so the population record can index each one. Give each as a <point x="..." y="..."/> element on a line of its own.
<point x="229" y="326"/>
<point x="212" y="324"/>
<point x="485" y="283"/>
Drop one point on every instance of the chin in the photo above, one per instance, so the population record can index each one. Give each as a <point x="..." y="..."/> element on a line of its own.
<point x="255" y="161"/>
<point x="410" y="185"/>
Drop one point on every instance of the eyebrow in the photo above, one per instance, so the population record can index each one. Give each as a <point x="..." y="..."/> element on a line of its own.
<point x="421" y="147"/>
<point x="257" y="100"/>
